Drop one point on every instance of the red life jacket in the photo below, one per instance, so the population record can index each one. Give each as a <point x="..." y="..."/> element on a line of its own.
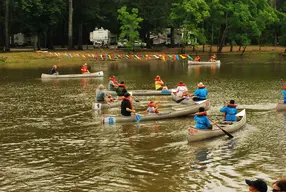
<point x="201" y="87"/>
<point x="151" y="105"/>
<point x="84" y="69"/>
<point x="113" y="80"/>
<point x="201" y="113"/>
<point x="231" y="105"/>
<point x="122" y="85"/>
<point x="126" y="99"/>
<point x="181" y="84"/>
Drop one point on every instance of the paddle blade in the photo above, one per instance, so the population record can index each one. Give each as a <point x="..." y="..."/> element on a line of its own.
<point x="180" y="100"/>
<point x="137" y="117"/>
<point x="227" y="133"/>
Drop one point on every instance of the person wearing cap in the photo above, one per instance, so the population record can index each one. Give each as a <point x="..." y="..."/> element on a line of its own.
<point x="201" y="92"/>
<point x="181" y="88"/>
<point x="229" y="111"/>
<point x="101" y="95"/>
<point x="202" y="121"/>
<point x="279" y="186"/>
<point x="84" y="69"/>
<point x="54" y="70"/>
<point x="256" y="185"/>
<point x="126" y="106"/>
<point x="112" y="84"/>
<point x="159" y="84"/>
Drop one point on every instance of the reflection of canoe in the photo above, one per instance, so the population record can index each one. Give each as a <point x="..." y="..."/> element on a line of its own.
<point x="98" y="105"/>
<point x="204" y="63"/>
<point x="185" y="101"/>
<point x="144" y="92"/>
<point x="198" y="134"/>
<point x="180" y="112"/>
<point x="281" y="107"/>
<point x="85" y="75"/>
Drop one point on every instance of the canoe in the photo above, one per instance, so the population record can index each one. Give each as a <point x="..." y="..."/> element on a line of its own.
<point x="185" y="101"/>
<point x="198" y="134"/>
<point x="173" y="113"/>
<point x="204" y="63"/>
<point x="144" y="92"/>
<point x="281" y="107"/>
<point x="85" y="75"/>
<point x="99" y="106"/>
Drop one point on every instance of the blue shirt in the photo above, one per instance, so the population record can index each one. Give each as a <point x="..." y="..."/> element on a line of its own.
<point x="201" y="93"/>
<point x="230" y="112"/>
<point x="202" y="122"/>
<point x="53" y="70"/>
<point x="284" y="95"/>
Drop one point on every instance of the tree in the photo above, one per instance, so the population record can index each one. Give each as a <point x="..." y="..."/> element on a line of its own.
<point x="187" y="15"/>
<point x="129" y="25"/>
<point x="70" y="25"/>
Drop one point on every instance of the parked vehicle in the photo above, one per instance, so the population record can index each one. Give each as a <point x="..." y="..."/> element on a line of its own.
<point x="123" y="42"/>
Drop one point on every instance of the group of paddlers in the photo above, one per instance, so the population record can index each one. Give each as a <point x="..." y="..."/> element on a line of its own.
<point x="212" y="59"/>
<point x="202" y="122"/>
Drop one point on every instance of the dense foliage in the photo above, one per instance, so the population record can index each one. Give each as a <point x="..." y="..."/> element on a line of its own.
<point x="214" y="22"/>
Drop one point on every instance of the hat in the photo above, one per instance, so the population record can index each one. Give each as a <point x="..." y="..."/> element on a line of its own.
<point x="126" y="94"/>
<point x="258" y="184"/>
<point x="54" y="66"/>
<point x="101" y="87"/>
<point x="85" y="64"/>
<point x="201" y="84"/>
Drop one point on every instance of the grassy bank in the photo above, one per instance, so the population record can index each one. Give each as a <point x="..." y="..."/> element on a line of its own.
<point x="32" y="57"/>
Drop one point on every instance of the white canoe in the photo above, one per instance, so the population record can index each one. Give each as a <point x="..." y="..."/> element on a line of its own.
<point x="144" y="92"/>
<point x="199" y="134"/>
<point x="204" y="62"/>
<point x="84" y="75"/>
<point x="185" y="101"/>
<point x="173" y="113"/>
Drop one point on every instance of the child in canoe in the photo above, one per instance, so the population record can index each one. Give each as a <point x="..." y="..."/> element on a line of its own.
<point x="152" y="108"/>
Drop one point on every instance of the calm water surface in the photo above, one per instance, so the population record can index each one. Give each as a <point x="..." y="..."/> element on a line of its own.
<point x="51" y="140"/>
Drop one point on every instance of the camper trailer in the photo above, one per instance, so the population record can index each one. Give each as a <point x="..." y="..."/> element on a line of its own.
<point x="101" y="37"/>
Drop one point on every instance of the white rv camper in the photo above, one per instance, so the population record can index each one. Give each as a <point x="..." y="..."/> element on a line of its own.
<point x="100" y="37"/>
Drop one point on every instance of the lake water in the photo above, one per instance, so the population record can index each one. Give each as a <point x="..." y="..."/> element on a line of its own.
<point x="51" y="140"/>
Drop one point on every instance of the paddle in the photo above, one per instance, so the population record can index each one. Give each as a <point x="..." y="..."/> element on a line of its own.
<point x="133" y="97"/>
<point x="225" y="132"/>
<point x="180" y="100"/>
<point x="137" y="117"/>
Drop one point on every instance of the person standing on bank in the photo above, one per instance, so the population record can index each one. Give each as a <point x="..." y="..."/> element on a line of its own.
<point x="126" y="106"/>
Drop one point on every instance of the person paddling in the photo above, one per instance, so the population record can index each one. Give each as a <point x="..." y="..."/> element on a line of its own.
<point x="152" y="108"/>
<point x="54" y="70"/>
<point x="126" y="106"/>
<point x="101" y="95"/>
<point x="197" y="58"/>
<point x="122" y="89"/>
<point x="112" y="84"/>
<point x="181" y="88"/>
<point x="201" y="92"/>
<point x="84" y="68"/>
<point x="159" y="84"/>
<point x="229" y="111"/>
<point x="202" y="121"/>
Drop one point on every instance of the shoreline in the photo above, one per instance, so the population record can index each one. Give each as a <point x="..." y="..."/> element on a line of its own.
<point x="31" y="56"/>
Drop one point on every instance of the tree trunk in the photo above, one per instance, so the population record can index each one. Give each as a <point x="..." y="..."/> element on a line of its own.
<point x="212" y="39"/>
<point x="148" y="40"/>
<point x="50" y="39"/>
<point x="79" y="44"/>
<point x="239" y="48"/>
<point x="194" y="49"/>
<point x="244" y="48"/>
<point x="222" y="40"/>
<point x="7" y="39"/>
<point x="231" y="47"/>
<point x="203" y="47"/>
<point x="70" y="20"/>
<point x="172" y="37"/>
<point x="36" y="42"/>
